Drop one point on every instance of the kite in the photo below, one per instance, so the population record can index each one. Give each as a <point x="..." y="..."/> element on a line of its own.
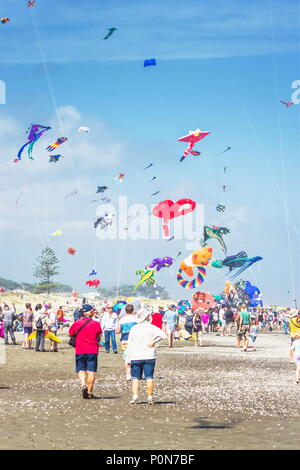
<point x="153" y="178"/>
<point x="104" y="200"/>
<point x="198" y="258"/>
<point x="34" y="133"/>
<point x="72" y="193"/>
<point x="110" y="32"/>
<point x="211" y="231"/>
<point x="179" y="254"/>
<point x="220" y="208"/>
<point x="93" y="273"/>
<point x="4" y="20"/>
<point x="119" y="178"/>
<point x="19" y="196"/>
<point x="224" y="187"/>
<point x="83" y="129"/>
<point x="101" y="189"/>
<point x="148" y="62"/>
<point x="31" y="3"/>
<point x="57" y="233"/>
<point x="168" y="210"/>
<point x="154" y="194"/>
<point x="147" y="276"/>
<point x="150" y="164"/>
<point x="93" y="283"/>
<point x="104" y="221"/>
<point x="158" y="263"/>
<point x="59" y="141"/>
<point x="170" y="239"/>
<point x="225" y="169"/>
<point x="195" y="282"/>
<point x="240" y="260"/>
<point x="71" y="251"/>
<point x="226" y="150"/>
<point x="48" y="335"/>
<point x="287" y="103"/>
<point x="54" y="158"/>
<point x="195" y="153"/>
<point x="183" y="306"/>
<point x="192" y="138"/>
<point x="202" y="300"/>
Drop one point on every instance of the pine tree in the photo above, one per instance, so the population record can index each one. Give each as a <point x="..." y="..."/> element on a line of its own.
<point x="46" y="268"/>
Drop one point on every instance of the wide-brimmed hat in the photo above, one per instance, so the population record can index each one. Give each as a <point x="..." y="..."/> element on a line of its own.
<point x="142" y="314"/>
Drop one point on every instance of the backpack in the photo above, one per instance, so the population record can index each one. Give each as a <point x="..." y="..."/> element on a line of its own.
<point x="189" y="321"/>
<point x="39" y="324"/>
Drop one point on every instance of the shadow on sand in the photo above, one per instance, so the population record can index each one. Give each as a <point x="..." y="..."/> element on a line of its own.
<point x="203" y="424"/>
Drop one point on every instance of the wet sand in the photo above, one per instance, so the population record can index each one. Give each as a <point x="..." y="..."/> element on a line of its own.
<point x="214" y="397"/>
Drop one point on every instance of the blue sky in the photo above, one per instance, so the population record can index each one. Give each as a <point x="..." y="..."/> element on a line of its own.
<point x="221" y="67"/>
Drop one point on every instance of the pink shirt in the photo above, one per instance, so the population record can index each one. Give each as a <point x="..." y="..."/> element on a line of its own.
<point x="205" y="318"/>
<point x="88" y="338"/>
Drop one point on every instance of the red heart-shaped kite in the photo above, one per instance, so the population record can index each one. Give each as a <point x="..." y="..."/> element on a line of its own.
<point x="168" y="210"/>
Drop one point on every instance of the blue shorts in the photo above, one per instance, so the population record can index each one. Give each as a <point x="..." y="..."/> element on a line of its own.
<point x="86" y="362"/>
<point x="27" y="330"/>
<point x="146" y="366"/>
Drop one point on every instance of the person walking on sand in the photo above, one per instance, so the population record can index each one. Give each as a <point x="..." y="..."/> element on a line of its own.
<point x="8" y="317"/>
<point x="123" y="328"/>
<point x="108" y="324"/>
<point x="88" y="333"/>
<point x="294" y="327"/>
<point x="40" y="325"/>
<point x="170" y="320"/>
<point x="53" y="325"/>
<point x="244" y="327"/>
<point x="197" y="327"/>
<point x="27" y="326"/>
<point x="296" y="356"/>
<point x="254" y="328"/>
<point x="142" y="354"/>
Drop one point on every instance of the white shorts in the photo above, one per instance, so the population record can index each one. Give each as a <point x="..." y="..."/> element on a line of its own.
<point x="170" y="329"/>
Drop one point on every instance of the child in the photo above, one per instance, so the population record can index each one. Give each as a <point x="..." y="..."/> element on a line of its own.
<point x="296" y="350"/>
<point x="254" y="332"/>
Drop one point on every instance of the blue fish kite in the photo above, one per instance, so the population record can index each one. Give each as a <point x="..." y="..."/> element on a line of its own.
<point x="148" y="62"/>
<point x="54" y="158"/>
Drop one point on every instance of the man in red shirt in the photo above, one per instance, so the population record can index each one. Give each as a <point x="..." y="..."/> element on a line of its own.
<point x="157" y="319"/>
<point x="86" y="348"/>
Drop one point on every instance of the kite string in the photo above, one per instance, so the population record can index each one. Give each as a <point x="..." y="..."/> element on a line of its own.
<point x="275" y="71"/>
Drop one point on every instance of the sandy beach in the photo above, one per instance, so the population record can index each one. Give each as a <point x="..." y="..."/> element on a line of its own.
<point x="214" y="397"/>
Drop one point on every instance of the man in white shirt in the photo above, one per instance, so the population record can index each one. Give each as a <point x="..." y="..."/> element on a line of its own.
<point x="108" y="325"/>
<point x="142" y="354"/>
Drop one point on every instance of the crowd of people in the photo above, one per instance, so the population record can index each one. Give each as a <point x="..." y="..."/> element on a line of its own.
<point x="140" y="329"/>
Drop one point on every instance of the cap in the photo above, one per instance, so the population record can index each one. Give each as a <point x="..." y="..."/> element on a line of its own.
<point x="87" y="308"/>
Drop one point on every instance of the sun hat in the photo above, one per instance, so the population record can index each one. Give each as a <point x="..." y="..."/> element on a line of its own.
<point x="142" y="314"/>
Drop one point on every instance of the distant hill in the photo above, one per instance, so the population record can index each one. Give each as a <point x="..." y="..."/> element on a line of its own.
<point x="13" y="285"/>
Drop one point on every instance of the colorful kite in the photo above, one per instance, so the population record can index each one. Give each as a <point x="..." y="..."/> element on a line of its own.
<point x="119" y="178"/>
<point x="48" y="335"/>
<point x="71" y="251"/>
<point x="148" y="62"/>
<point x="287" y="103"/>
<point x="198" y="258"/>
<point x="195" y="153"/>
<point x="220" y="208"/>
<point x="211" y="231"/>
<point x="59" y="141"/>
<point x="54" y="158"/>
<point x="101" y="189"/>
<point x="93" y="283"/>
<point x="34" y="133"/>
<point x="240" y="260"/>
<point x="158" y="263"/>
<point x="150" y="164"/>
<point x="192" y="138"/>
<point x="168" y="210"/>
<point x="4" y="20"/>
<point x="110" y="32"/>
<point x="147" y="276"/>
<point x="200" y="278"/>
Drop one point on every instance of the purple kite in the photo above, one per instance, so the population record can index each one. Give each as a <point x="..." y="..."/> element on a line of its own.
<point x="35" y="132"/>
<point x="159" y="263"/>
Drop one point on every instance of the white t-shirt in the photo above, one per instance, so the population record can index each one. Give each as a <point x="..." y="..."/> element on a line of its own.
<point x="109" y="321"/>
<point x="140" y="336"/>
<point x="296" y="347"/>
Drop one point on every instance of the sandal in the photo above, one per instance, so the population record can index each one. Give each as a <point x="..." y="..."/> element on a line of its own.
<point x="85" y="394"/>
<point x="91" y="396"/>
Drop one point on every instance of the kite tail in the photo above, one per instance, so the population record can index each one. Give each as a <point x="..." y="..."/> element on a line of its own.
<point x="246" y="266"/>
<point x="30" y="150"/>
<point x="21" y="150"/>
<point x="195" y="282"/>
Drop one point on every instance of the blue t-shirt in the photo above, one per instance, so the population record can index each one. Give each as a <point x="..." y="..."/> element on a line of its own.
<point x="126" y="323"/>
<point x="170" y="317"/>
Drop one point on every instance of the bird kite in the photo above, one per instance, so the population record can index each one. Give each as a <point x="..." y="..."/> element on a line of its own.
<point x="59" y="141"/>
<point x="240" y="260"/>
<point x="57" y="233"/>
<point x="101" y="189"/>
<point x="119" y="178"/>
<point x="104" y="221"/>
<point x="287" y="103"/>
<point x="154" y="194"/>
<point x="226" y="150"/>
<point x="71" y="251"/>
<point x="92" y="273"/>
<point x="220" y="208"/>
<point x="150" y="164"/>
<point x="149" y="62"/>
<point x="192" y="138"/>
<point x="54" y="158"/>
<point x="34" y="133"/>
<point x="147" y="276"/>
<point x="211" y="231"/>
<point x="110" y="32"/>
<point x="4" y="20"/>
